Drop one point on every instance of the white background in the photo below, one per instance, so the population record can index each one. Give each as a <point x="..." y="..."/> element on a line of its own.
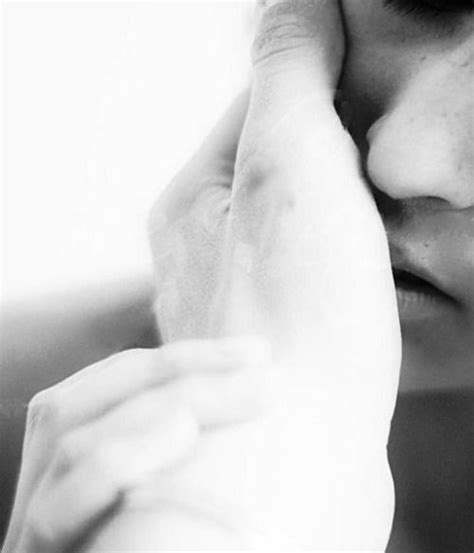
<point x="102" y="104"/>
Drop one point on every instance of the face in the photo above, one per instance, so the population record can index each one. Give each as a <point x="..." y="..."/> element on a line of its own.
<point x="408" y="100"/>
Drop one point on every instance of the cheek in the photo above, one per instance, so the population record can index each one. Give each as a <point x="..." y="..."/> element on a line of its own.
<point x="367" y="81"/>
<point x="406" y="90"/>
<point x="384" y="53"/>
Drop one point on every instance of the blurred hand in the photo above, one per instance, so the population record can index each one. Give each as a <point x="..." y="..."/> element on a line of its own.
<point x="98" y="434"/>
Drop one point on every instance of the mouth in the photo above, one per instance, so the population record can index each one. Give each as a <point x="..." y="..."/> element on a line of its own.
<point x="419" y="297"/>
<point x="406" y="280"/>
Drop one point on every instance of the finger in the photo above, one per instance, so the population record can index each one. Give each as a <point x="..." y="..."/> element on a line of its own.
<point x="186" y="228"/>
<point x="176" y="359"/>
<point x="133" y="372"/>
<point x="220" y="147"/>
<point x="301" y="212"/>
<point x="297" y="57"/>
<point x="292" y="173"/>
<point x="64" y="511"/>
<point x="292" y="130"/>
<point x="99" y="388"/>
<point x="211" y="167"/>
<point x="107" y="384"/>
<point x="210" y="400"/>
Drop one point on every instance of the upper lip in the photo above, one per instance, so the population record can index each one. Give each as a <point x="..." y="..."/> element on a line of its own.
<point x="409" y="266"/>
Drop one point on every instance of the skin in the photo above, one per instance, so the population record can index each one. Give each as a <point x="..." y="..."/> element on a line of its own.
<point x="411" y="79"/>
<point x="396" y="94"/>
<point x="141" y="413"/>
<point x="240" y="247"/>
<point x="407" y="91"/>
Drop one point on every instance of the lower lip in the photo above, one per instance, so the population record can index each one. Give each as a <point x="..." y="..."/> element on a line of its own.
<point x="419" y="305"/>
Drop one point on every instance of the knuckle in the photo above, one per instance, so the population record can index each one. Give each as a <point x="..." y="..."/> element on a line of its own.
<point x="285" y="25"/>
<point x="44" y="410"/>
<point x="253" y="165"/>
<point x="68" y="451"/>
<point x="258" y="166"/>
<point x="262" y="183"/>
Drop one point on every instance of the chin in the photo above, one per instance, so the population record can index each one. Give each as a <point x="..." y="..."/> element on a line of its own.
<point x="436" y="358"/>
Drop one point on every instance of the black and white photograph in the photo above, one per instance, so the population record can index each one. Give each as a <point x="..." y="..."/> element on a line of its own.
<point x="237" y="276"/>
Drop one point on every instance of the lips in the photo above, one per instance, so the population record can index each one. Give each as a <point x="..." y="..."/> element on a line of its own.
<point x="420" y="292"/>
<point x="432" y="255"/>
<point x="406" y="280"/>
<point x="411" y="281"/>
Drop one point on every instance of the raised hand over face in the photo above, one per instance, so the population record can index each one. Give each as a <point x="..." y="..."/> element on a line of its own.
<point x="271" y="230"/>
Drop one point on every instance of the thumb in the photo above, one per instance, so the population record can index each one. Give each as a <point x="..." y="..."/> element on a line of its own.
<point x="302" y="213"/>
<point x="297" y="57"/>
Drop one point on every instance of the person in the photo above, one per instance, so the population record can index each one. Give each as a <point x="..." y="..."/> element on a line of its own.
<point x="296" y="249"/>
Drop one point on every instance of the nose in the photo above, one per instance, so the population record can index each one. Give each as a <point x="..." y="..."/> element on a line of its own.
<point x="423" y="146"/>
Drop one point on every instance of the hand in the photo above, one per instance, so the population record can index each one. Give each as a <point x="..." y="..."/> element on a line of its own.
<point x="189" y="223"/>
<point x="95" y="436"/>
<point x="270" y="229"/>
